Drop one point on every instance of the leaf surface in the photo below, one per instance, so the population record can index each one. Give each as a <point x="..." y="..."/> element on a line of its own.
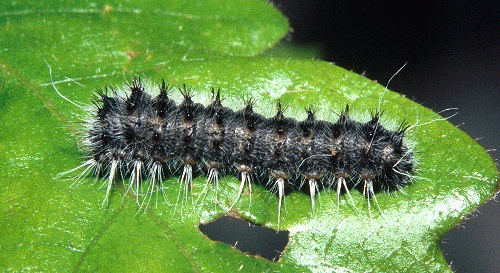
<point x="52" y="225"/>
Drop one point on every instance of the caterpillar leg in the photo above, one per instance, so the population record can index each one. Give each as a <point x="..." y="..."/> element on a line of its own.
<point x="313" y="189"/>
<point x="245" y="179"/>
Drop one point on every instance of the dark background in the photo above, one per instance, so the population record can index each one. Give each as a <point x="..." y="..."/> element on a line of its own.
<point x="453" y="54"/>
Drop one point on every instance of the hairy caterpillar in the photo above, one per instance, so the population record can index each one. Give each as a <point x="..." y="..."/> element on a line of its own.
<point x="149" y="137"/>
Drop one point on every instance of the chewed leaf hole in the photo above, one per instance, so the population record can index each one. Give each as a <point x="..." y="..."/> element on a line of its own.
<point x="247" y="237"/>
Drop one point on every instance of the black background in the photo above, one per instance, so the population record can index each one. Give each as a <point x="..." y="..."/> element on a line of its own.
<point x="453" y="54"/>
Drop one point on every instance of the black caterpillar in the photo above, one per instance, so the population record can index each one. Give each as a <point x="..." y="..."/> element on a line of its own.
<point x="149" y="138"/>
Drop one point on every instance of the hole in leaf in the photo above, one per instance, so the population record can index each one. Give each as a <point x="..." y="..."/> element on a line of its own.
<point x="246" y="236"/>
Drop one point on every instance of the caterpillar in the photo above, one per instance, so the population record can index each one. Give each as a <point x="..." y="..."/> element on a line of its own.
<point x="147" y="137"/>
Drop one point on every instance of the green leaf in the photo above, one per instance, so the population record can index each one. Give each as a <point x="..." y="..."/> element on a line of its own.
<point x="51" y="225"/>
<point x="104" y="38"/>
